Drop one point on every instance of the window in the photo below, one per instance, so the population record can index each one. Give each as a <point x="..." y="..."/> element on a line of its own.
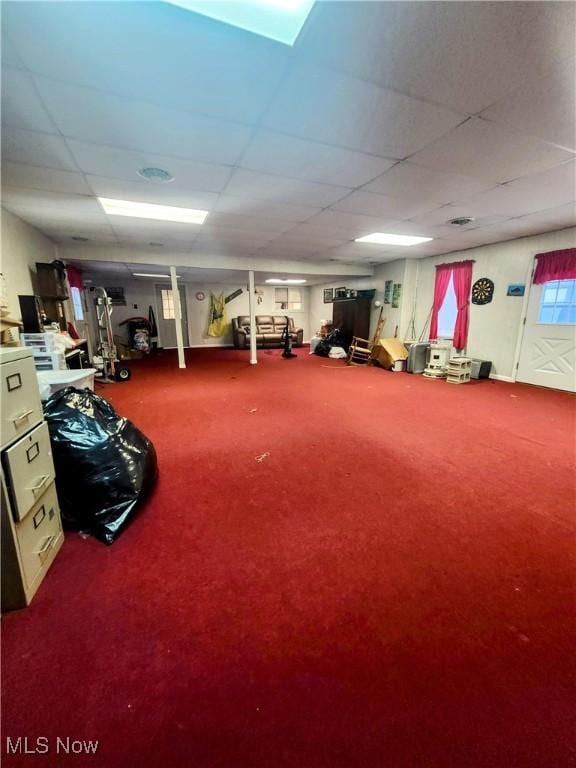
<point x="288" y="298"/>
<point x="558" y="303"/>
<point x="168" y="312"/>
<point x="448" y="312"/>
<point x="77" y="303"/>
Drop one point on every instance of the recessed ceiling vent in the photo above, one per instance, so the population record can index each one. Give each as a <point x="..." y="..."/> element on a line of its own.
<point x="461" y="221"/>
<point x="156" y="175"/>
<point x="80" y="239"/>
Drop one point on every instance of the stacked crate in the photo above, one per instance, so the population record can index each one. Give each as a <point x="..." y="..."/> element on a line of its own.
<point x="459" y="370"/>
<point x="49" y="354"/>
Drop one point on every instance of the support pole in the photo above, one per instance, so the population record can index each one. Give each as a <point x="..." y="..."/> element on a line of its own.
<point x="177" y="317"/>
<point x="253" y="358"/>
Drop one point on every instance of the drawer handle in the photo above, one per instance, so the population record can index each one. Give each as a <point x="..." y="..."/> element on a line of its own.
<point x="39" y="516"/>
<point x="14" y="382"/>
<point x="22" y="416"/>
<point x="40" y="484"/>
<point x="46" y="547"/>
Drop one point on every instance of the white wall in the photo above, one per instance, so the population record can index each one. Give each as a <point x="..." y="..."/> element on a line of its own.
<point x="142" y="293"/>
<point x="494" y="328"/>
<point x="394" y="270"/>
<point x="22" y="247"/>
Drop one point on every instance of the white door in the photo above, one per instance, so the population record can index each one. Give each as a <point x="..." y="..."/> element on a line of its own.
<point x="166" y="323"/>
<point x="548" y="353"/>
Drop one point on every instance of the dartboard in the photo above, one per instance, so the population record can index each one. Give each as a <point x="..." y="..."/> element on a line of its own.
<point x="482" y="291"/>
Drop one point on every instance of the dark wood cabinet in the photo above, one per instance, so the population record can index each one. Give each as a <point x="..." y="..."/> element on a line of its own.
<point x="352" y="317"/>
<point x="51" y="280"/>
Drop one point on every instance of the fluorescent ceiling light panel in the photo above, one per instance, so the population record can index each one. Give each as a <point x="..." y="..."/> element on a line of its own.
<point x="152" y="211"/>
<point x="279" y="20"/>
<point x="149" y="274"/>
<point x="381" y="238"/>
<point x="285" y="282"/>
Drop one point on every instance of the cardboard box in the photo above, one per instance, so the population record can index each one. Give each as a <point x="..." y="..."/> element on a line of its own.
<point x="390" y="354"/>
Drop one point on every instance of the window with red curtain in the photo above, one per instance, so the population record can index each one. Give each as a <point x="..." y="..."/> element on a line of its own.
<point x="459" y="274"/>
<point x="555" y="265"/>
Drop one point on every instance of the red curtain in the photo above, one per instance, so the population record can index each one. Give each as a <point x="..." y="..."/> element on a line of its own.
<point x="462" y="286"/>
<point x="74" y="277"/>
<point x="443" y="274"/>
<point x="555" y="265"/>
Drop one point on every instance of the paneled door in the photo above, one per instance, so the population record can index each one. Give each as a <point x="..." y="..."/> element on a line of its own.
<point x="167" y="313"/>
<point x="548" y="352"/>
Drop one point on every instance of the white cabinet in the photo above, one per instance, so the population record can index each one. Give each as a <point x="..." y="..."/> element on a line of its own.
<point x="31" y="524"/>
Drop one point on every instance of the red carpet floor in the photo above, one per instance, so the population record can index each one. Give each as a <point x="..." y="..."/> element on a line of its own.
<point x="391" y="586"/>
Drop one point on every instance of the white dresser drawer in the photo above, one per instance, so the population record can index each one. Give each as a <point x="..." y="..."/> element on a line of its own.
<point x="30" y="469"/>
<point x="39" y="535"/>
<point x="20" y="405"/>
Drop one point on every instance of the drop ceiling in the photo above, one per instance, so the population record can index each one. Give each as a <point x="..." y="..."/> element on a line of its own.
<point x="384" y="116"/>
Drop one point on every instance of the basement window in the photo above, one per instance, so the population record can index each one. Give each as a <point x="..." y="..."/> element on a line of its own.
<point x="288" y="298"/>
<point x="448" y="312"/>
<point x="558" y="303"/>
<point x="168" y="312"/>
<point x="76" y="297"/>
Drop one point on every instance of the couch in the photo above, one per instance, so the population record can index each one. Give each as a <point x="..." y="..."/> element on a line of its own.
<point x="269" y="329"/>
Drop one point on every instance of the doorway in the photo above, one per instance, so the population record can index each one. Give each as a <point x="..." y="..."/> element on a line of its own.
<point x="167" y="314"/>
<point x="548" y="351"/>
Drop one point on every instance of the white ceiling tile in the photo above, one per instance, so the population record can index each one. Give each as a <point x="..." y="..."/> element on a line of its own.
<point x="50" y="179"/>
<point x="168" y="56"/>
<point x="249" y="207"/>
<point x="463" y="55"/>
<point x="528" y="194"/>
<point x="346" y="224"/>
<point x="417" y="183"/>
<point x="289" y="156"/>
<point x="99" y="118"/>
<point x="261" y="186"/>
<point x="252" y="224"/>
<point x="69" y="204"/>
<point x="383" y="206"/>
<point x="441" y="216"/>
<point x="124" y="164"/>
<point x="40" y="149"/>
<point x="322" y="105"/>
<point x="143" y="192"/>
<point x="20" y="103"/>
<point x="546" y="108"/>
<point x="489" y="151"/>
<point x="153" y="231"/>
<point x="559" y="217"/>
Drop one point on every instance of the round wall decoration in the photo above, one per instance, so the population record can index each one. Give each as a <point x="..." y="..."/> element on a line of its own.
<point x="482" y="291"/>
<point x="200" y="295"/>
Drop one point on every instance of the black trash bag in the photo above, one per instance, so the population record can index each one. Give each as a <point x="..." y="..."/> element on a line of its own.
<point x="105" y="467"/>
<point x="334" y="339"/>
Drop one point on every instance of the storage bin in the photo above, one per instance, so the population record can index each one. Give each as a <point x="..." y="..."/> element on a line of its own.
<point x="481" y="369"/>
<point x="53" y="362"/>
<point x="53" y="381"/>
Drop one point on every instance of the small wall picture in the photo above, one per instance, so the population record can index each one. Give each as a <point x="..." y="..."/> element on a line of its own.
<point x="388" y="285"/>
<point x="328" y="295"/>
<point x="396" y="293"/>
<point x="516" y="289"/>
<point x="340" y="293"/>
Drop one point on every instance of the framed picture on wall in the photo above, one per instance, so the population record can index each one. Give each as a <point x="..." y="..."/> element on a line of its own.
<point x="388" y="291"/>
<point x="328" y="295"/>
<point x="396" y="293"/>
<point x="515" y="289"/>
